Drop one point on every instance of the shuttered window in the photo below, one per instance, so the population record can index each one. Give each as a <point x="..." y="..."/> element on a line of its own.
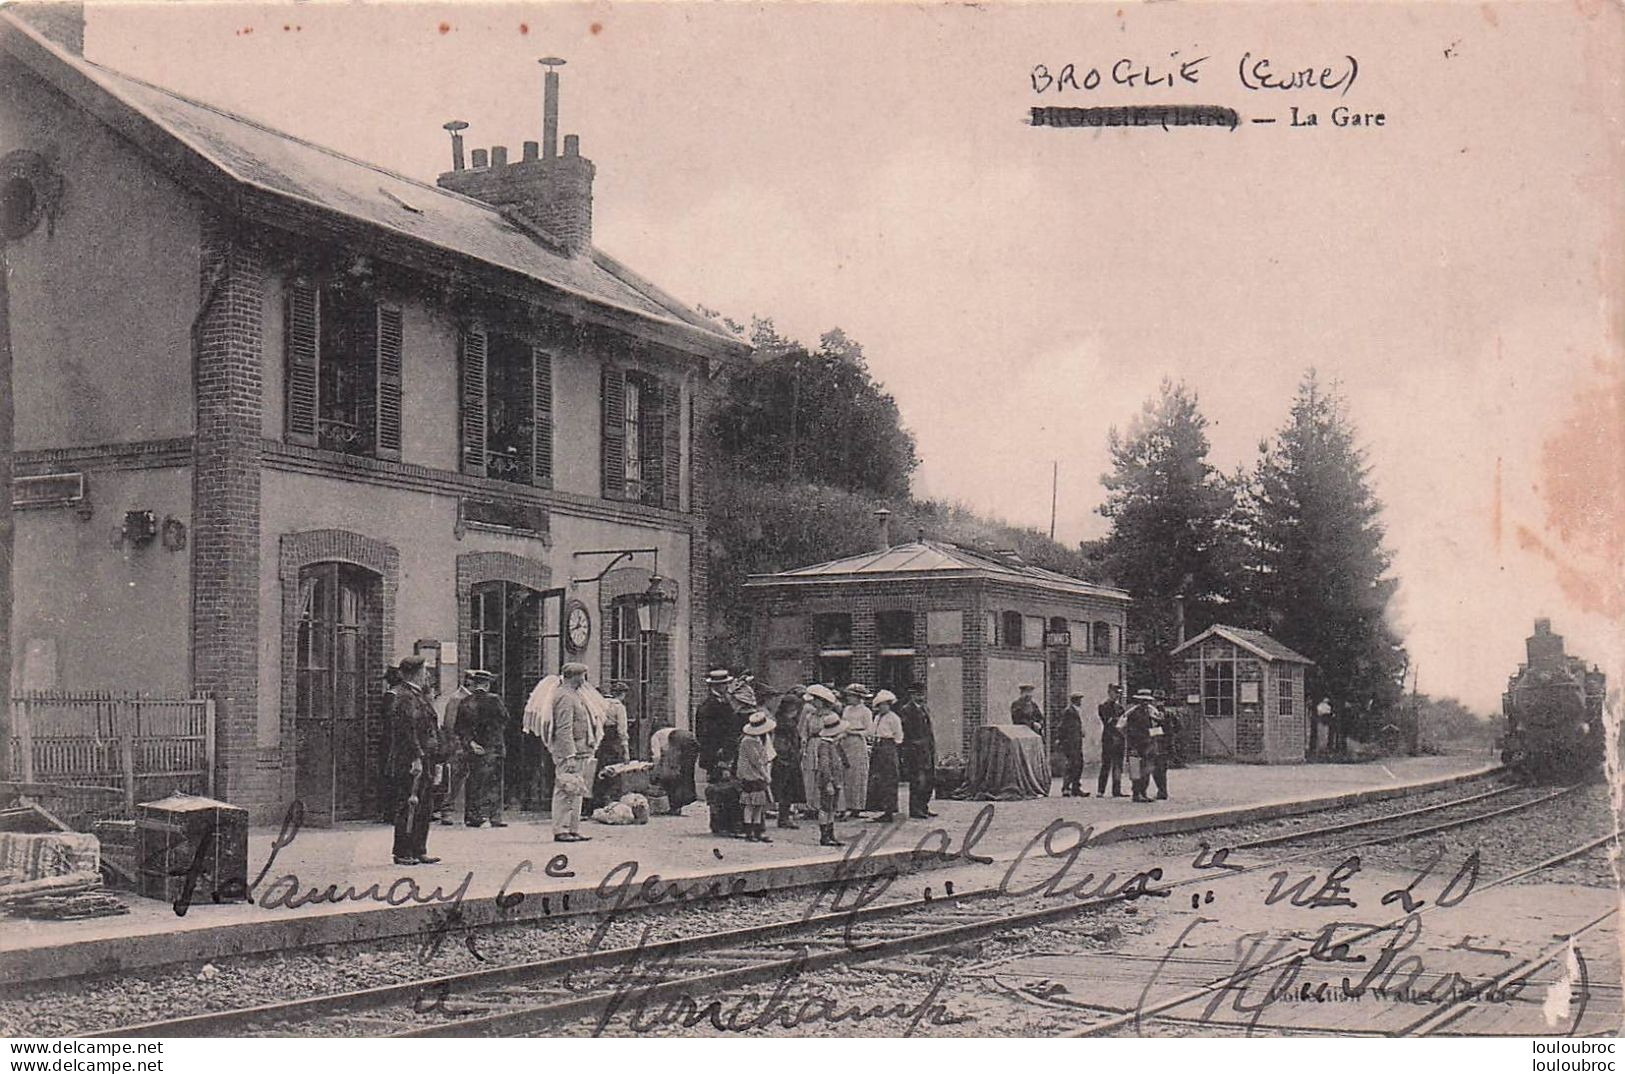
<point x="473" y="409"/>
<point x="343" y="352"/>
<point x="612" y="394"/>
<point x="507" y="408"/>
<point x="642" y="438"/>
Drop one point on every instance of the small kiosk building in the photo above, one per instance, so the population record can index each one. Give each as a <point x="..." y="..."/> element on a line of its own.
<point x="1246" y="691"/>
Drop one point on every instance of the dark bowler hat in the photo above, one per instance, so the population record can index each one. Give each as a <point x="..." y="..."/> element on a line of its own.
<point x="410" y="665"/>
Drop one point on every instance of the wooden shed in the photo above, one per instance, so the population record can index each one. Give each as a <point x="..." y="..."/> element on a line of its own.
<point x="1247" y="691"/>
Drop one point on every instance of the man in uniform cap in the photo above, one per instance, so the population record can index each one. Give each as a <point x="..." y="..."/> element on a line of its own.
<point x="716" y="725"/>
<point x="482" y="727"/>
<point x="1069" y="738"/>
<point x="413" y="745"/>
<point x="1138" y="724"/>
<point x="1024" y="711"/>
<point x="919" y="752"/>
<point x="570" y="745"/>
<point x="1111" y="741"/>
<point x="457" y="760"/>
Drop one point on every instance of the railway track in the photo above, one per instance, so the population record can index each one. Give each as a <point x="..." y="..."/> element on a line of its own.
<point x="556" y="993"/>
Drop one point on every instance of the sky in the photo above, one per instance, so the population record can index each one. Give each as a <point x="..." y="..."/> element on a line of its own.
<point x="1021" y="290"/>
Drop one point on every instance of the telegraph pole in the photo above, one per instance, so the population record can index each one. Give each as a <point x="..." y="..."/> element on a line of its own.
<point x="1054" y="492"/>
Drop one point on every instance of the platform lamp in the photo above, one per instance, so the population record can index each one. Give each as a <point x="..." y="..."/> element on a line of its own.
<point x="657" y="604"/>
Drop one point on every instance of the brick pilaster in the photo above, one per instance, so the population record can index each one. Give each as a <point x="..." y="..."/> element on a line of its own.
<point x="226" y="508"/>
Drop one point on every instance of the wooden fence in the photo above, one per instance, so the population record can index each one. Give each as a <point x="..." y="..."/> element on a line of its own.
<point x="118" y="749"/>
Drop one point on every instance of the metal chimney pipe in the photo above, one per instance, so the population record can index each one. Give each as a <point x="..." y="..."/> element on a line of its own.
<point x="456" y="127"/>
<point x="550" y="106"/>
<point x="883" y="518"/>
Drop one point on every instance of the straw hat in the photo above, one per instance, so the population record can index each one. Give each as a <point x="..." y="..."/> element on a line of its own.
<point x="823" y="693"/>
<point x="857" y="689"/>
<point x="1144" y="695"/>
<point x="834" y="726"/>
<point x="885" y="697"/>
<point x="719" y="676"/>
<point x="759" y="724"/>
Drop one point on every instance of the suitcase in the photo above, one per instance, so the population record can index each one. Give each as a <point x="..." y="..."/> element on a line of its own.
<point x="722" y="800"/>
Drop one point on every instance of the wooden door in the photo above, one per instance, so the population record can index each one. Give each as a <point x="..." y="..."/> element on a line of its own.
<point x="331" y="716"/>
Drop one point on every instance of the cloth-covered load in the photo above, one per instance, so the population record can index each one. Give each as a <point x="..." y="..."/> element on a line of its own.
<point x="26" y="856"/>
<point x="1007" y="763"/>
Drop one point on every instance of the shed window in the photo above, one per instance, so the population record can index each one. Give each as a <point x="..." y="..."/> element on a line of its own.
<point x="1102" y="638"/>
<point x="833" y="631"/>
<point x="1287" y="690"/>
<point x="894" y="632"/>
<point x="1219" y="687"/>
<point x="1010" y="630"/>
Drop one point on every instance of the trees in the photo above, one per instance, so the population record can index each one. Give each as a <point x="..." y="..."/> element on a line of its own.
<point x="1173" y="533"/>
<point x="817" y="416"/>
<point x="1318" y="575"/>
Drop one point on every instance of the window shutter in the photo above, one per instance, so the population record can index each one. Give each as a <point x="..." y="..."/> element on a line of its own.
<point x="301" y="333"/>
<point x="652" y="449"/>
<point x="671" y="486"/>
<point x="541" y="428"/>
<point x="474" y="402"/>
<point x="613" y="394"/>
<point x="387" y="338"/>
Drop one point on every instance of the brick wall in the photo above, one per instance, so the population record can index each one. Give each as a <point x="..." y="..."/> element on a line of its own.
<point x="226" y="511"/>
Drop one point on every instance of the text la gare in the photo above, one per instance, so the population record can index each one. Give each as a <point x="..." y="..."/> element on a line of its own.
<point x="1341" y="116"/>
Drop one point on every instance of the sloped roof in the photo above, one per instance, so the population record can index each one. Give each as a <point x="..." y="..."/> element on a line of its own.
<point x="936" y="559"/>
<point x="1254" y="641"/>
<point x="247" y="162"/>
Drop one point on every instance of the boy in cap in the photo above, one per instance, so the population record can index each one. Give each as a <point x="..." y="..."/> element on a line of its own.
<point x="829" y="762"/>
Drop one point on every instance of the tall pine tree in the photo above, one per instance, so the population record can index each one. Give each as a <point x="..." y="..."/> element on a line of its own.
<point x="1319" y="578"/>
<point x="1172" y="534"/>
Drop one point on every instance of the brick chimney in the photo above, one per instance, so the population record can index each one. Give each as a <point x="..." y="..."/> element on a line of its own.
<point x="63" y="23"/>
<point x="552" y="192"/>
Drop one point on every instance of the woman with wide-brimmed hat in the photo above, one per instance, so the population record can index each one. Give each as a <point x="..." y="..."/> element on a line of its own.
<point x="754" y="770"/>
<point x="860" y="722"/>
<point x="807" y="727"/>
<point x="883" y="757"/>
<point x="788" y="789"/>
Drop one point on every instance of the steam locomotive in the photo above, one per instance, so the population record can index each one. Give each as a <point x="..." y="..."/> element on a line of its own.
<point x="1554" y="713"/>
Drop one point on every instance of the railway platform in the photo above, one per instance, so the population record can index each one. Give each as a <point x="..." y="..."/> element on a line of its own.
<point x="334" y="885"/>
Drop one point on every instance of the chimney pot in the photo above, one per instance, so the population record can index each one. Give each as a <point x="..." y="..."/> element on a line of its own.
<point x="479" y="158"/>
<point x="572" y="145"/>
<point x="883" y="520"/>
<point x="532" y="150"/>
<point x="499" y="156"/>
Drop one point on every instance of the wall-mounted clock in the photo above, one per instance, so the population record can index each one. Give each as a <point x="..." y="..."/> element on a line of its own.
<point x="577" y="626"/>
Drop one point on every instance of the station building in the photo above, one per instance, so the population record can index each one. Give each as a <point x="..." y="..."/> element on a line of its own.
<point x="282" y="417"/>
<point x="974" y="625"/>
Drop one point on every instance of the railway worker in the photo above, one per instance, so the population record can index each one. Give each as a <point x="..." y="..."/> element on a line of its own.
<point x="1138" y="722"/>
<point x="1069" y="737"/>
<point x="1164" y="726"/>
<point x="482" y="730"/>
<point x="829" y="762"/>
<point x="919" y="751"/>
<point x="887" y="740"/>
<point x="788" y="787"/>
<point x="1111" y="741"/>
<point x="716" y="726"/>
<point x="860" y="726"/>
<point x="754" y="769"/>
<point x="569" y="742"/>
<point x="414" y="740"/>
<point x="1024" y="711"/>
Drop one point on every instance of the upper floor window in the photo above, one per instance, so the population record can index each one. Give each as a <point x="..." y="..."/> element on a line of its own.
<point x="343" y="352"/>
<point x="641" y="438"/>
<point x="507" y="408"/>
